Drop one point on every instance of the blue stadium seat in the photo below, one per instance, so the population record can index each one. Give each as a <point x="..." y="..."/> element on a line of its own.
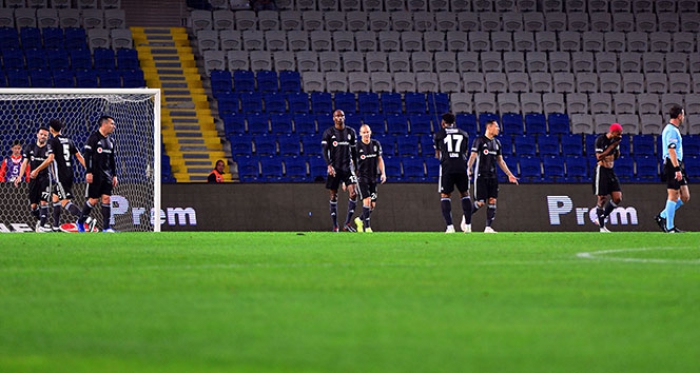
<point x="304" y="124"/>
<point x="647" y="168"/>
<point x="312" y="145"/>
<point x="535" y="124"/>
<point x="243" y="81"/>
<point x="289" y="144"/>
<point x="354" y="121"/>
<point x="388" y="144"/>
<point x="391" y="103"/>
<point x="104" y="59"/>
<point x="413" y="168"/>
<point x="110" y="79"/>
<point x="221" y="82"/>
<point x="298" y="102"/>
<point x="241" y="145"/>
<point x="525" y="145"/>
<point x="234" y="124"/>
<point x="36" y="59"/>
<point x="692" y="166"/>
<point x="590" y="145"/>
<point x="86" y="79"/>
<point x="80" y="59"/>
<point x="530" y="169"/>
<point x="295" y="168"/>
<point x="290" y="81"/>
<point x="432" y="167"/>
<point x="624" y="168"/>
<point x="558" y="124"/>
<point x="625" y="145"/>
<point x="133" y="78"/>
<point x="420" y="124"/>
<point x="415" y="103"/>
<point x="258" y="123"/>
<point x="63" y="78"/>
<point x="346" y="102"/>
<point x="392" y="166"/>
<point x="30" y="38"/>
<point x="128" y="59"/>
<point x="251" y="102"/>
<point x="41" y="78"/>
<point x="368" y="102"/>
<point x="318" y="169"/>
<point x="465" y="121"/>
<point x="60" y="60"/>
<point x="275" y="103"/>
<point x="643" y="145"/>
<point x="427" y="146"/>
<point x="512" y="124"/>
<point x="53" y="38"/>
<point x="376" y="122"/>
<point x="438" y="103"/>
<point x="553" y="169"/>
<point x="9" y="38"/>
<point x="407" y="145"/>
<point x="572" y="144"/>
<point x="228" y="103"/>
<point x="267" y="81"/>
<point x="248" y="168"/>
<point x="75" y="38"/>
<point x="576" y="169"/>
<point x="548" y="144"/>
<point x="281" y="124"/>
<point x="506" y="144"/>
<point x="265" y="145"/>
<point x="485" y="117"/>
<point x="397" y="124"/>
<point x="323" y="121"/>
<point x="13" y="59"/>
<point x="691" y="145"/>
<point x="321" y="102"/>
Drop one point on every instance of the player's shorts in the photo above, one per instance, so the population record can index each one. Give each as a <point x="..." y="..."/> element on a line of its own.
<point x="669" y="176"/>
<point x="368" y="190"/>
<point x="39" y="190"/>
<point x="448" y="182"/>
<point x="64" y="189"/>
<point x="347" y="177"/>
<point x="605" y="181"/>
<point x="99" y="188"/>
<point x="486" y="187"/>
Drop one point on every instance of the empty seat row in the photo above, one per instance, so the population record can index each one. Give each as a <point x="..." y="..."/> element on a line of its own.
<point x="631" y="123"/>
<point x="51" y="17"/>
<point x="73" y="79"/>
<point x="58" y="59"/>
<point x="69" y="38"/>
<point x="64" y="4"/>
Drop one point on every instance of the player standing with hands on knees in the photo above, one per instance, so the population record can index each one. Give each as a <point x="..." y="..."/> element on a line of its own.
<point x="605" y="182"/>
<point x="100" y="173"/>
<point x="340" y="154"/>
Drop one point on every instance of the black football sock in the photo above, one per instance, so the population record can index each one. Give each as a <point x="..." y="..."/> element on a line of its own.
<point x="56" y="214"/>
<point x="446" y="205"/>
<point x="72" y="208"/>
<point x="490" y="215"/>
<point x="365" y="215"/>
<point x="86" y="211"/>
<point x="334" y="212"/>
<point x="351" y="210"/>
<point x="35" y="212"/>
<point x="467" y="208"/>
<point x="608" y="208"/>
<point x="475" y="207"/>
<point x="106" y="215"/>
<point x="43" y="214"/>
<point x="601" y="216"/>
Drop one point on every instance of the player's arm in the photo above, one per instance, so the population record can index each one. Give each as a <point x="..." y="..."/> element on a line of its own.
<point x="22" y="170"/>
<point x="3" y="170"/>
<point x="504" y="167"/>
<point x="327" y="153"/>
<point x="43" y="165"/>
<point x="113" y="165"/>
<point x="612" y="148"/>
<point x="80" y="158"/>
<point x="380" y="166"/>
<point x="89" y="154"/>
<point x="673" y="158"/>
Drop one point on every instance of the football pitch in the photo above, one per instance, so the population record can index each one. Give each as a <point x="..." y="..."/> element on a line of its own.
<point x="324" y="302"/>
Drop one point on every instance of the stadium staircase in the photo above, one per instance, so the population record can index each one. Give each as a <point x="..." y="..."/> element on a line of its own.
<point x="189" y="135"/>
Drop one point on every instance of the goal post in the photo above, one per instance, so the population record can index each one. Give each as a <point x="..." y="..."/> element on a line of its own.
<point x="136" y="202"/>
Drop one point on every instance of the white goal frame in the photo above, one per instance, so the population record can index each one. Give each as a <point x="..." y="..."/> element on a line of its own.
<point x="155" y="92"/>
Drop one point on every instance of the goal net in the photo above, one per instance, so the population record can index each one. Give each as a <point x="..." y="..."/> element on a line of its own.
<point x="136" y="200"/>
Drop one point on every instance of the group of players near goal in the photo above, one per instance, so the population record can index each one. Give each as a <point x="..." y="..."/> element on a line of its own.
<point x="50" y="160"/>
<point x="355" y="165"/>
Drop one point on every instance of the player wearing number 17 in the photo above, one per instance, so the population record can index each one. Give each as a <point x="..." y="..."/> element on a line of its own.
<point x="451" y="149"/>
<point x="100" y="173"/>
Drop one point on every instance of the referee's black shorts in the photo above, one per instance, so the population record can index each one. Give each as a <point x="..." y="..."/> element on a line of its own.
<point x="668" y="174"/>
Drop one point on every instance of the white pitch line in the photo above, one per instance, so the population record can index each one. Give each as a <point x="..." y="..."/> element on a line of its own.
<point x="601" y="255"/>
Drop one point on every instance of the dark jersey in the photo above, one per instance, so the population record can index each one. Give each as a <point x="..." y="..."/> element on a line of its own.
<point x="339" y="147"/>
<point x="37" y="155"/>
<point x="368" y="160"/>
<point x="487" y="151"/>
<point x="99" y="156"/>
<point x="452" y="143"/>
<point x="602" y="143"/>
<point x="63" y="149"/>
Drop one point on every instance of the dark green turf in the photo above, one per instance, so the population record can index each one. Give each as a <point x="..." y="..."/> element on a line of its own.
<point x="323" y="302"/>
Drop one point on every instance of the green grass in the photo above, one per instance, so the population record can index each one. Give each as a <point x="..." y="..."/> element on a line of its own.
<point x="322" y="302"/>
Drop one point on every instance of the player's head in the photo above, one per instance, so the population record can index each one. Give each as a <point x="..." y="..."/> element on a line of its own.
<point x="220" y="166"/>
<point x="365" y="132"/>
<point x="106" y="124"/>
<point x="448" y="120"/>
<point x="492" y="128"/>
<point x="339" y="119"/>
<point x="616" y="130"/>
<point x="677" y="113"/>
<point x="16" y="148"/>
<point x="55" y="126"/>
<point x="42" y="135"/>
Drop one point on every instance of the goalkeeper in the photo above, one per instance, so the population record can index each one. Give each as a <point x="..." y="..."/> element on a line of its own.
<point x="100" y="173"/>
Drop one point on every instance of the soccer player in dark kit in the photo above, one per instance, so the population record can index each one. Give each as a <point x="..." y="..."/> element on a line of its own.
<point x="370" y="164"/>
<point x="35" y="156"/>
<point x="605" y="182"/>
